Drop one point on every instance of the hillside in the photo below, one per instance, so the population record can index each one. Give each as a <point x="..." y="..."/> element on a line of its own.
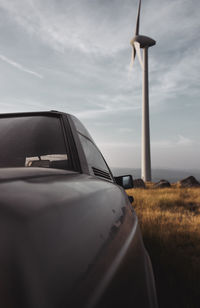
<point x="157" y="174"/>
<point x="170" y="223"/>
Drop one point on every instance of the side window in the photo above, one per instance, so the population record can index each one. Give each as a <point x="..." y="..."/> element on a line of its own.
<point x="94" y="158"/>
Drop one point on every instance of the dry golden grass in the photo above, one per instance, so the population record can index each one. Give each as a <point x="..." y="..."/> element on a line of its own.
<point x="170" y="223"/>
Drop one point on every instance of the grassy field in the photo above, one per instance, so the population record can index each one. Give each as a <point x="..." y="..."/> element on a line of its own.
<point x="170" y="223"/>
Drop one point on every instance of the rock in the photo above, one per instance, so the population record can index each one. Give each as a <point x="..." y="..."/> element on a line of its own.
<point x="189" y="182"/>
<point x="138" y="183"/>
<point x="162" y="184"/>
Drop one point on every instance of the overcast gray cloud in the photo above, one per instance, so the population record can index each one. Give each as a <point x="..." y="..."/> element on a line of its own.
<point x="74" y="56"/>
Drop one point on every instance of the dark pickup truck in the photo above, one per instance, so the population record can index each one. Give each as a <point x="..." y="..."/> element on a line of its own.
<point x="69" y="236"/>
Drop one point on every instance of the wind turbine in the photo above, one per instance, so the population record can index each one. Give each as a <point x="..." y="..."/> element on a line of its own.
<point x="143" y="42"/>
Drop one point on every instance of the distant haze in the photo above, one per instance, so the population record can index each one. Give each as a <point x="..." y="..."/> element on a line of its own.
<point x="159" y="174"/>
<point x="74" y="56"/>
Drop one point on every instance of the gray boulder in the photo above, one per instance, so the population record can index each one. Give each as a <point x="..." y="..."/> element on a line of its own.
<point x="190" y="181"/>
<point x="138" y="183"/>
<point x="162" y="184"/>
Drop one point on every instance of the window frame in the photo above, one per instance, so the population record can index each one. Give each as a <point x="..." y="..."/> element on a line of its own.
<point x="57" y="115"/>
<point x="83" y="159"/>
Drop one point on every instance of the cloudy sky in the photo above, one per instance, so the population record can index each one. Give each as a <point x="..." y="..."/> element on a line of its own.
<point x="74" y="56"/>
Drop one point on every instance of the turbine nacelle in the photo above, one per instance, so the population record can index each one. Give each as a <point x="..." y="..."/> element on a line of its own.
<point x="144" y="41"/>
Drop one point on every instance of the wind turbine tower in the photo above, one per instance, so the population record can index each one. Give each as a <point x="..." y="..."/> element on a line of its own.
<point x="143" y="42"/>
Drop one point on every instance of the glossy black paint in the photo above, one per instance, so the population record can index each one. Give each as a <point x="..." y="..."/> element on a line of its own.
<point x="70" y="238"/>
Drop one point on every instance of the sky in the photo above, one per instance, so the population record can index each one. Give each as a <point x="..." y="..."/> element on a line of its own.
<point x="74" y="56"/>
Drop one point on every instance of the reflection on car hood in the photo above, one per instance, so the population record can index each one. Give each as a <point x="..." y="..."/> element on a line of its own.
<point x="7" y="174"/>
<point x="25" y="191"/>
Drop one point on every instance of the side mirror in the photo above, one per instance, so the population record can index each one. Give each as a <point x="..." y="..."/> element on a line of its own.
<point x="131" y="199"/>
<point x="126" y="181"/>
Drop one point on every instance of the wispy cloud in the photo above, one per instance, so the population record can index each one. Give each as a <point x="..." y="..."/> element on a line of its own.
<point x="19" y="66"/>
<point x="88" y="27"/>
<point x="180" y="142"/>
<point x="106" y="111"/>
<point x="125" y="130"/>
<point x="66" y="26"/>
<point x="185" y="141"/>
<point x="121" y="145"/>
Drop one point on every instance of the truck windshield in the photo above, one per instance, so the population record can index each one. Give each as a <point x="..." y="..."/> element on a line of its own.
<point x="32" y="141"/>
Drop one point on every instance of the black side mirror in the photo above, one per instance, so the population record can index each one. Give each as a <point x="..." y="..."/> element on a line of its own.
<point x="131" y="199"/>
<point x="126" y="181"/>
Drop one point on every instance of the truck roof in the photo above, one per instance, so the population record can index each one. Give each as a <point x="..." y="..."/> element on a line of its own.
<point x="33" y="113"/>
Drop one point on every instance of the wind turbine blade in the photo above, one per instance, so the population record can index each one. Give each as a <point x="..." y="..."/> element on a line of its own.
<point x="138" y="20"/>
<point x="133" y="56"/>
<point x="137" y="47"/>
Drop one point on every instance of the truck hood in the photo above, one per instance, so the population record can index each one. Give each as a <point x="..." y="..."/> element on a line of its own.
<point x="54" y="226"/>
<point x="64" y="234"/>
<point x="27" y="191"/>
